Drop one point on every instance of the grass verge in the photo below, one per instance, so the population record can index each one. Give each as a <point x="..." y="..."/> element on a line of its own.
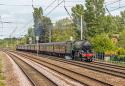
<point x="1" y="72"/>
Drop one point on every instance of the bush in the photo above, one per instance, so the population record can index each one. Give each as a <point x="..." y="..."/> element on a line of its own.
<point x="121" y="51"/>
<point x="102" y="43"/>
<point x="119" y="58"/>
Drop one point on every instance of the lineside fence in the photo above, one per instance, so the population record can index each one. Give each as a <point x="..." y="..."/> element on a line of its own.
<point x="120" y="59"/>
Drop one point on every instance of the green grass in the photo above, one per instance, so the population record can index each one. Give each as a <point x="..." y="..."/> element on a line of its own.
<point x="120" y="64"/>
<point x="1" y="76"/>
<point x="1" y="73"/>
<point x="2" y="83"/>
<point x="114" y="62"/>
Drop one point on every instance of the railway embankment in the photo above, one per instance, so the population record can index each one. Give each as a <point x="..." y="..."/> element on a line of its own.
<point x="13" y="76"/>
<point x="2" y="78"/>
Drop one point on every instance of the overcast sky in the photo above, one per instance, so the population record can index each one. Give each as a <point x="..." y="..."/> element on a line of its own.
<point x="19" y="13"/>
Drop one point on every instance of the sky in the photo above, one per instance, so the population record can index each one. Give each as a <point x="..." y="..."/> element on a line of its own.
<point x="17" y="14"/>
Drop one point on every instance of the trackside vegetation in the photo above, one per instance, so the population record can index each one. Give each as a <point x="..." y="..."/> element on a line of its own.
<point x="1" y="72"/>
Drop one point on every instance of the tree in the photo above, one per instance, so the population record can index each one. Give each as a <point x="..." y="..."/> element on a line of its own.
<point x="123" y="17"/>
<point x="122" y="20"/>
<point x="94" y="15"/>
<point x="77" y="13"/>
<point x="121" y="42"/>
<point x="47" y="26"/>
<point x="37" y="15"/>
<point x="102" y="43"/>
<point x="41" y="25"/>
<point x="31" y="35"/>
<point x="109" y="24"/>
<point x="63" y="30"/>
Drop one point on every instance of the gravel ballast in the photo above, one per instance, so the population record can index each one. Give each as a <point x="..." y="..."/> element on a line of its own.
<point x="13" y="75"/>
<point x="113" y="80"/>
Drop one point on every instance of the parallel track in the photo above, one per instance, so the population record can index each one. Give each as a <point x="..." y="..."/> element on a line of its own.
<point x="68" y="70"/>
<point x="114" y="70"/>
<point x="109" y="65"/>
<point x="103" y="68"/>
<point x="33" y="75"/>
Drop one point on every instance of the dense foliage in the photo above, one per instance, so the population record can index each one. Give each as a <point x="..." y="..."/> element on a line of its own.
<point x="102" y="43"/>
<point x="63" y="30"/>
<point x="121" y="42"/>
<point x="42" y="25"/>
<point x="12" y="42"/>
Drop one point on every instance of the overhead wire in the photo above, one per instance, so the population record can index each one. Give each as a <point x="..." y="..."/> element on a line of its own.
<point x="54" y="8"/>
<point x="1" y="26"/>
<point x="16" y="5"/>
<point x="70" y="6"/>
<point x="59" y="3"/>
<point x="28" y="22"/>
<point x="113" y="2"/>
<point x="117" y="8"/>
<point x="67" y="10"/>
<point x="26" y="25"/>
<point x="32" y="4"/>
<point x="13" y="31"/>
<point x="50" y="4"/>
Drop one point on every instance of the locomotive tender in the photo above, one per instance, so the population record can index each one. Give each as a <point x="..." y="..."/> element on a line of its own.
<point x="77" y="50"/>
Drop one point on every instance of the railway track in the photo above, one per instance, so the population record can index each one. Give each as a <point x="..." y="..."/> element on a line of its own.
<point x="82" y="79"/>
<point x="114" y="70"/>
<point x="109" y="65"/>
<point x="103" y="68"/>
<point x="33" y="75"/>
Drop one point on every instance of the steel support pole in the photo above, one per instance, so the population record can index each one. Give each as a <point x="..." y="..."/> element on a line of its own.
<point x="37" y="48"/>
<point x="37" y="39"/>
<point x="50" y="35"/>
<point x="81" y="28"/>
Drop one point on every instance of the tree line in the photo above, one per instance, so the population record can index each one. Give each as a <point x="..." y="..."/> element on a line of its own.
<point x="98" y="27"/>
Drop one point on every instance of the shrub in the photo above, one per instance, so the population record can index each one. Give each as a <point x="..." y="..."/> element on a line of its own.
<point x="121" y="51"/>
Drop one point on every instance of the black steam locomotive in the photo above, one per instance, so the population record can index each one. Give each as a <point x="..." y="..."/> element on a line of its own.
<point x="77" y="50"/>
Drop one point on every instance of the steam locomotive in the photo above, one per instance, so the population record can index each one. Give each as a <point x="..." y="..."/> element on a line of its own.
<point x="77" y="50"/>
